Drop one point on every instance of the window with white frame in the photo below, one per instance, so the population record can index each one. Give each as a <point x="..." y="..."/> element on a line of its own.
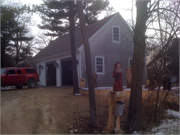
<point x="99" y="64"/>
<point x="130" y="63"/>
<point x="116" y="34"/>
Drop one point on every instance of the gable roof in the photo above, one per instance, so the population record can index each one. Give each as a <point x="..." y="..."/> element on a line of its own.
<point x="62" y="44"/>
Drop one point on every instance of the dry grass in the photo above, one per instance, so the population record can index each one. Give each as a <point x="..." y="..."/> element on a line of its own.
<point x="148" y="107"/>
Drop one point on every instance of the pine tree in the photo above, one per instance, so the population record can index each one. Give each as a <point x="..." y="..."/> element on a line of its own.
<point x="15" y="46"/>
<point x="55" y="15"/>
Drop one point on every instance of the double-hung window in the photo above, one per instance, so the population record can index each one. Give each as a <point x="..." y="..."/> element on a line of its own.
<point x="130" y="62"/>
<point x="116" y="34"/>
<point x="99" y="65"/>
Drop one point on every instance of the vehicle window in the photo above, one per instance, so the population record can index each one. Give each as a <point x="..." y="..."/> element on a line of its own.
<point x="30" y="70"/>
<point x="3" y="70"/>
<point x="11" y="71"/>
<point x="18" y="71"/>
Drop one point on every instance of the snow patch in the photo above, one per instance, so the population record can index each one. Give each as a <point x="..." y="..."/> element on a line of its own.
<point x="168" y="126"/>
<point x="111" y="88"/>
<point x="175" y="88"/>
<point x="137" y="132"/>
<point x="173" y="113"/>
<point x="78" y="94"/>
<point x="159" y="133"/>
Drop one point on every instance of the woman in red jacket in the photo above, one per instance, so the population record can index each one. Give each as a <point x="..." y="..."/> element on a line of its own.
<point x="117" y="74"/>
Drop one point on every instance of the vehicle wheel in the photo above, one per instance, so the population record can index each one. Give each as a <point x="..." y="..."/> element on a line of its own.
<point x="31" y="83"/>
<point x="18" y="86"/>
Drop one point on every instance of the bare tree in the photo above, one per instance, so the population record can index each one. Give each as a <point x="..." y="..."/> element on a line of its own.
<point x="161" y="18"/>
<point x="135" y="103"/>
<point x="73" y="48"/>
<point x="92" y="109"/>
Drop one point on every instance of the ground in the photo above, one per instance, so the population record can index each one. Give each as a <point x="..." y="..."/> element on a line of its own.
<point x="52" y="110"/>
<point x="45" y="110"/>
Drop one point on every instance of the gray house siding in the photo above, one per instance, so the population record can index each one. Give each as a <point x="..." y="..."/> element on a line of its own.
<point x="103" y="45"/>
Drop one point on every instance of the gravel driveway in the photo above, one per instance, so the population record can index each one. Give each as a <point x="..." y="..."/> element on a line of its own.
<point x="45" y="110"/>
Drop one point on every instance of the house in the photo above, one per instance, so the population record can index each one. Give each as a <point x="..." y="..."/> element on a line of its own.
<point x="110" y="40"/>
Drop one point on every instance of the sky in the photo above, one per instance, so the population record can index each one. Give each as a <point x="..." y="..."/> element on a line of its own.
<point x="121" y="6"/>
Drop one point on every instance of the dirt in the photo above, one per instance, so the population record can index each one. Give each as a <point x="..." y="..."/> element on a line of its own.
<point x="45" y="110"/>
<point x="52" y="110"/>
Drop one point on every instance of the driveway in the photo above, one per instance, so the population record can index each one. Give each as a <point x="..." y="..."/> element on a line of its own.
<point x="45" y="110"/>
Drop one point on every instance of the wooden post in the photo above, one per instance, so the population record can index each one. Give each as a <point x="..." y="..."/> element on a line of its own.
<point x="117" y="128"/>
<point x="111" y="118"/>
<point x="114" y="121"/>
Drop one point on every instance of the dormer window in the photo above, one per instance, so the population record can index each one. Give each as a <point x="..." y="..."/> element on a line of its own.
<point x="116" y="34"/>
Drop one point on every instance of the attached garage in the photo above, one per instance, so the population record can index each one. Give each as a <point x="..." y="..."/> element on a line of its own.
<point x="67" y="73"/>
<point x="51" y="73"/>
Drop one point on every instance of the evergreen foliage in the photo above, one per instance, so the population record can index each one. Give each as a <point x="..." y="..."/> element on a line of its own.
<point x="55" y="15"/>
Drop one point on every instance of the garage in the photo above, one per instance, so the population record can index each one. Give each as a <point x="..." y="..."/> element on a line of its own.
<point x="51" y="73"/>
<point x="67" y="73"/>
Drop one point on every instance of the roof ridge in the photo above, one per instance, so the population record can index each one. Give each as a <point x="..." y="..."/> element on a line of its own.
<point x="62" y="43"/>
<point x="89" y="25"/>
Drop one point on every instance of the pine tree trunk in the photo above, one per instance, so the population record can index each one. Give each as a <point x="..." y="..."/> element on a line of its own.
<point x="134" y="112"/>
<point x="92" y="103"/>
<point x="73" y="48"/>
<point x="2" y="55"/>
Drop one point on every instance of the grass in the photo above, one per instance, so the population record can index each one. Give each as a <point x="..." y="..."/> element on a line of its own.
<point x="148" y="107"/>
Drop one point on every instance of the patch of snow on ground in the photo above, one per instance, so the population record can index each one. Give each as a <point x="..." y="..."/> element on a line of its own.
<point x="111" y="88"/>
<point x="168" y="126"/>
<point x="173" y="113"/>
<point x="159" y="133"/>
<point x="174" y="88"/>
<point x="14" y="88"/>
<point x="8" y="88"/>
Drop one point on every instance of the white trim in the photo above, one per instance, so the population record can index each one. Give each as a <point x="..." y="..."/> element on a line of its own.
<point x="80" y="72"/>
<point x="102" y="65"/>
<point x="114" y="41"/>
<point x="123" y="21"/>
<point x="49" y="57"/>
<point x="58" y="74"/>
<point x="129" y="62"/>
<point x="100" y="30"/>
<point x="97" y="33"/>
<point x="81" y="48"/>
<point x="92" y="37"/>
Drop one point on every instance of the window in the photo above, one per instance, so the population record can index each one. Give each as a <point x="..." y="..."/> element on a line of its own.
<point x="30" y="70"/>
<point x="18" y="71"/>
<point x="99" y="64"/>
<point x="130" y="63"/>
<point x="3" y="70"/>
<point x="11" y="71"/>
<point x="116" y="34"/>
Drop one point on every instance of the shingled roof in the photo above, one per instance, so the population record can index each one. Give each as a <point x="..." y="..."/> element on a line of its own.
<point x="62" y="44"/>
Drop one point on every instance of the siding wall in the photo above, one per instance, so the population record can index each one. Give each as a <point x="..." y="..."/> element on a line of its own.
<point x="102" y="45"/>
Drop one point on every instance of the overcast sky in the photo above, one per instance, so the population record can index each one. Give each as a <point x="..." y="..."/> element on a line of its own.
<point x="121" y="6"/>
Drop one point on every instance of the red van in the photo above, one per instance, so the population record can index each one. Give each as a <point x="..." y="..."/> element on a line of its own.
<point x="19" y="77"/>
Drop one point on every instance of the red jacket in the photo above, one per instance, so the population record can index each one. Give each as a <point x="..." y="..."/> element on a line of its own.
<point x="118" y="84"/>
